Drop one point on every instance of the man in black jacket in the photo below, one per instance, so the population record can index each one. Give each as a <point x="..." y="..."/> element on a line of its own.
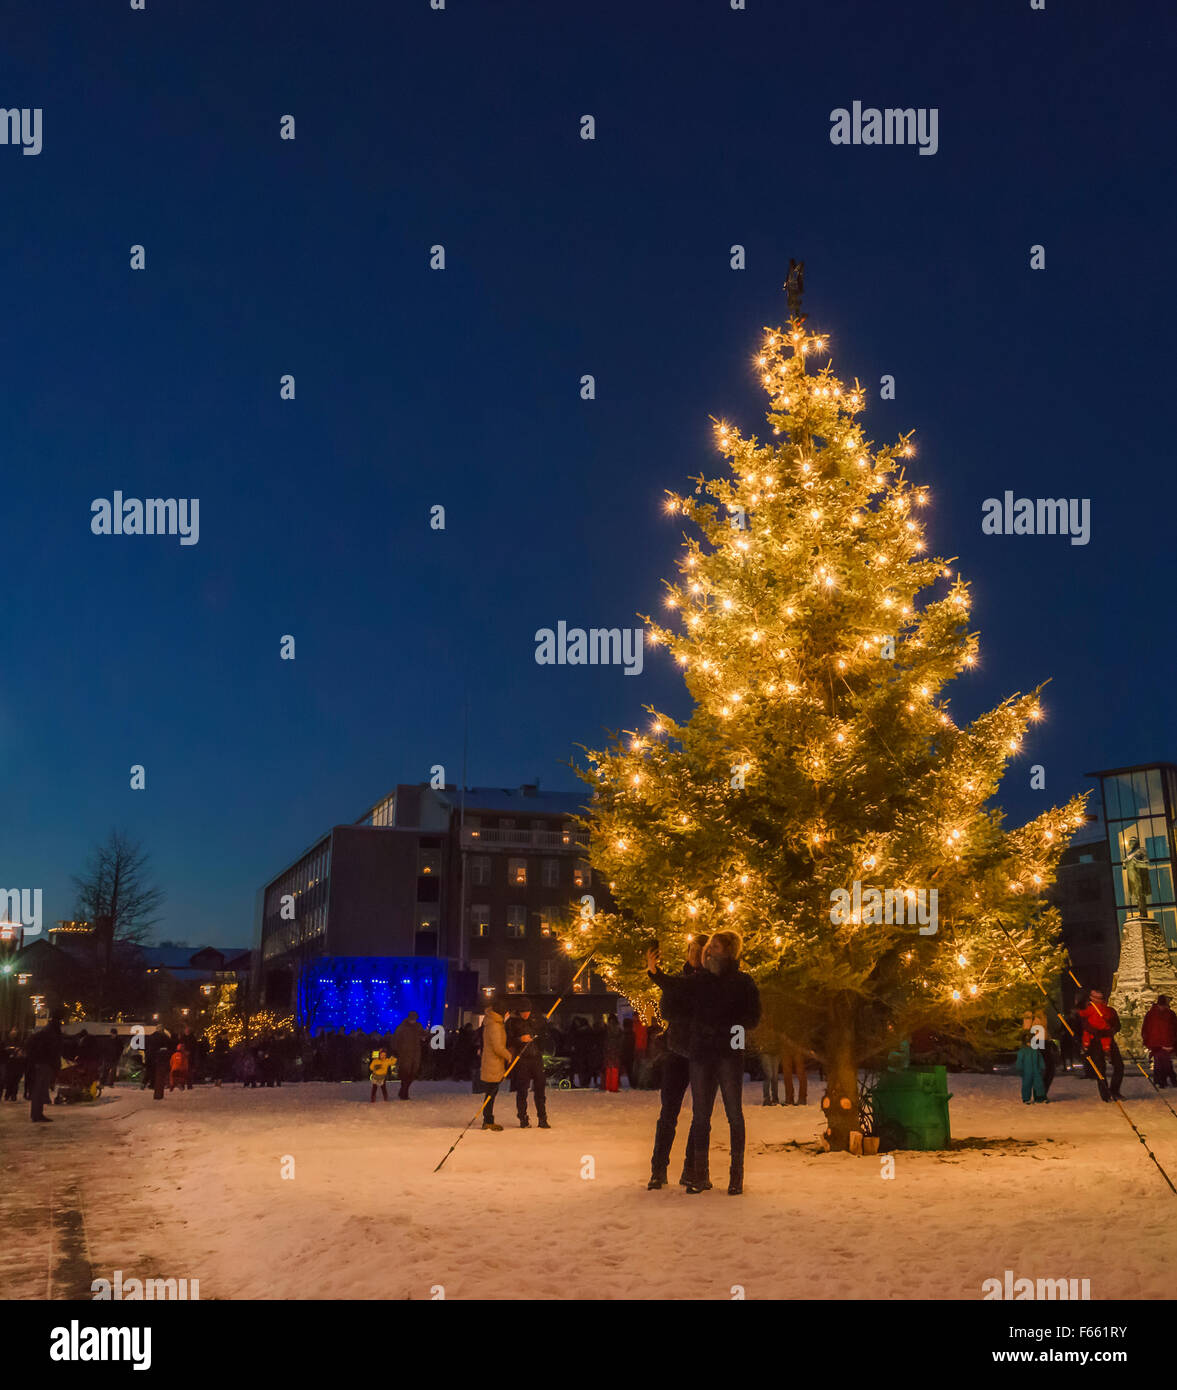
<point x="44" y="1058"/>
<point x="725" y="1007"/>
<point x="676" y="1066"/>
<point x="525" y="1032"/>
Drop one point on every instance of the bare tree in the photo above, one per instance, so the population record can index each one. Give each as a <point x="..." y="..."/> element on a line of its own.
<point x="115" y="893"/>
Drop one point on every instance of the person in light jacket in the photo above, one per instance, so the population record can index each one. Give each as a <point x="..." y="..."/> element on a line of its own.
<point x="496" y="1057"/>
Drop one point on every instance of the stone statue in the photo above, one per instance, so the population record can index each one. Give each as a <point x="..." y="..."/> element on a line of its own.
<point x="1137" y="888"/>
<point x="795" y="287"/>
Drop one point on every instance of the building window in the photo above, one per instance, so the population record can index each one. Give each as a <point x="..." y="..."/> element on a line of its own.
<point x="551" y="878"/>
<point x="428" y="917"/>
<point x="480" y="870"/>
<point x="547" y="977"/>
<point x="581" y="876"/>
<point x="514" y="977"/>
<point x="480" y="919"/>
<point x="516" y="921"/>
<point x="517" y="873"/>
<point x="547" y="921"/>
<point x="429" y="861"/>
<point x="483" y="968"/>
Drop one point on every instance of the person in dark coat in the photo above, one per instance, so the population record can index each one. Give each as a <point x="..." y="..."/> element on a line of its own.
<point x="44" y="1058"/>
<point x="629" y="1045"/>
<point x="407" y="1042"/>
<point x="1159" y="1034"/>
<point x="612" y="1044"/>
<point x="597" y="1053"/>
<point x="526" y="1031"/>
<point x="676" y="1066"/>
<point x="14" y="1065"/>
<point x="161" y="1063"/>
<point x="463" y="1053"/>
<point x="112" y="1055"/>
<point x="724" y="1006"/>
<point x="219" y="1060"/>
<point x="580" y="1047"/>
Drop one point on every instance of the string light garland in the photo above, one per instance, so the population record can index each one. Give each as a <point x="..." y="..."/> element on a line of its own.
<point x="816" y="633"/>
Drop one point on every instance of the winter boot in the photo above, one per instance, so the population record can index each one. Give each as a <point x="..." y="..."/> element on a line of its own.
<point x="524" y="1122"/>
<point x="735" y="1185"/>
<point x="543" y="1120"/>
<point x="658" y="1180"/>
<point x="699" y="1176"/>
<point x="490" y="1124"/>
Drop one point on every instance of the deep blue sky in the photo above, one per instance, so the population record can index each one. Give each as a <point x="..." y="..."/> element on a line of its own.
<point x="461" y="388"/>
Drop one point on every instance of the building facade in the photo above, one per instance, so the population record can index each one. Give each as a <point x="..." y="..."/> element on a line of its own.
<point x="475" y="879"/>
<point x="1140" y="811"/>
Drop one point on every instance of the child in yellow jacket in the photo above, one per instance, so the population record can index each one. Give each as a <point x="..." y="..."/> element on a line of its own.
<point x="378" y="1069"/>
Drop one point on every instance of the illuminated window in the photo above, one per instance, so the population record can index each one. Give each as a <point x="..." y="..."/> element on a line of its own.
<point x="517" y="873"/>
<point x="480" y="919"/>
<point x="514" y="976"/>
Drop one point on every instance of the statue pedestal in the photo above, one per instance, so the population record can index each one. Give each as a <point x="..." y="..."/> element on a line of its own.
<point x="1145" y="970"/>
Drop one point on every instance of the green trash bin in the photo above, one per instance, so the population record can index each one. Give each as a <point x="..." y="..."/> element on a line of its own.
<point x="911" y="1109"/>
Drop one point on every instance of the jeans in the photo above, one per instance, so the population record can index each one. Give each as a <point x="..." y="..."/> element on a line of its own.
<point x="770" y="1065"/>
<point x="725" y="1075"/>
<point x="492" y="1089"/>
<point x="794" y="1064"/>
<point x="529" y="1073"/>
<point x="676" y="1077"/>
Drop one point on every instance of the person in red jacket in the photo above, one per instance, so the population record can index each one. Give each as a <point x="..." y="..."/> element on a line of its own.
<point x="1101" y="1023"/>
<point x="1159" y="1032"/>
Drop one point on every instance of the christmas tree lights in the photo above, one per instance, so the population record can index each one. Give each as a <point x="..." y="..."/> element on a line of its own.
<point x="817" y="637"/>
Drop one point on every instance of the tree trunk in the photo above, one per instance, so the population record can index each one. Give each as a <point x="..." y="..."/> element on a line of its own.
<point x="840" y="1102"/>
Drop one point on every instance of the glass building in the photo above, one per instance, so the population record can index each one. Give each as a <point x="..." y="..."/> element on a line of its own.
<point x="1141" y="802"/>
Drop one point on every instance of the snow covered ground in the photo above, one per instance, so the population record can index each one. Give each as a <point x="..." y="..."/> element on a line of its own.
<point x="192" y="1187"/>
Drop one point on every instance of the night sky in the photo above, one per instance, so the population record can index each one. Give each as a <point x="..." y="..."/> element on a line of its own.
<point x="461" y="388"/>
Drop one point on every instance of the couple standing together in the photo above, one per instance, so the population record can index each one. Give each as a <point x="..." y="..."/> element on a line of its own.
<point x="709" y="1007"/>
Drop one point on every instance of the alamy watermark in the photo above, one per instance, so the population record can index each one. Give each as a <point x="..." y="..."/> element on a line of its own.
<point x="1046" y="1289"/>
<point x="78" y="1343"/>
<point x="132" y="1290"/>
<point x="893" y="906"/>
<point x="20" y="125"/>
<point x="1037" y="516"/>
<point x="23" y="906"/>
<point x="151" y="516"/>
<point x="893" y="125"/>
<point x="599" y="646"/>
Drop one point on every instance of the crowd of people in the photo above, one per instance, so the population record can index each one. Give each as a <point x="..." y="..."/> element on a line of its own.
<point x="713" y="1019"/>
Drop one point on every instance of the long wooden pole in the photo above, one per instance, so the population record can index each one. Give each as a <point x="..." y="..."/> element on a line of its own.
<point x="507" y="1073"/>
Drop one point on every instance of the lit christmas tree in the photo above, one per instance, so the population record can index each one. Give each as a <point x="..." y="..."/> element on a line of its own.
<point x="820" y="798"/>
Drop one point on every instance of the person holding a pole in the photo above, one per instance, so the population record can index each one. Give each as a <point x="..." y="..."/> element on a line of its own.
<point x="496" y="1057"/>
